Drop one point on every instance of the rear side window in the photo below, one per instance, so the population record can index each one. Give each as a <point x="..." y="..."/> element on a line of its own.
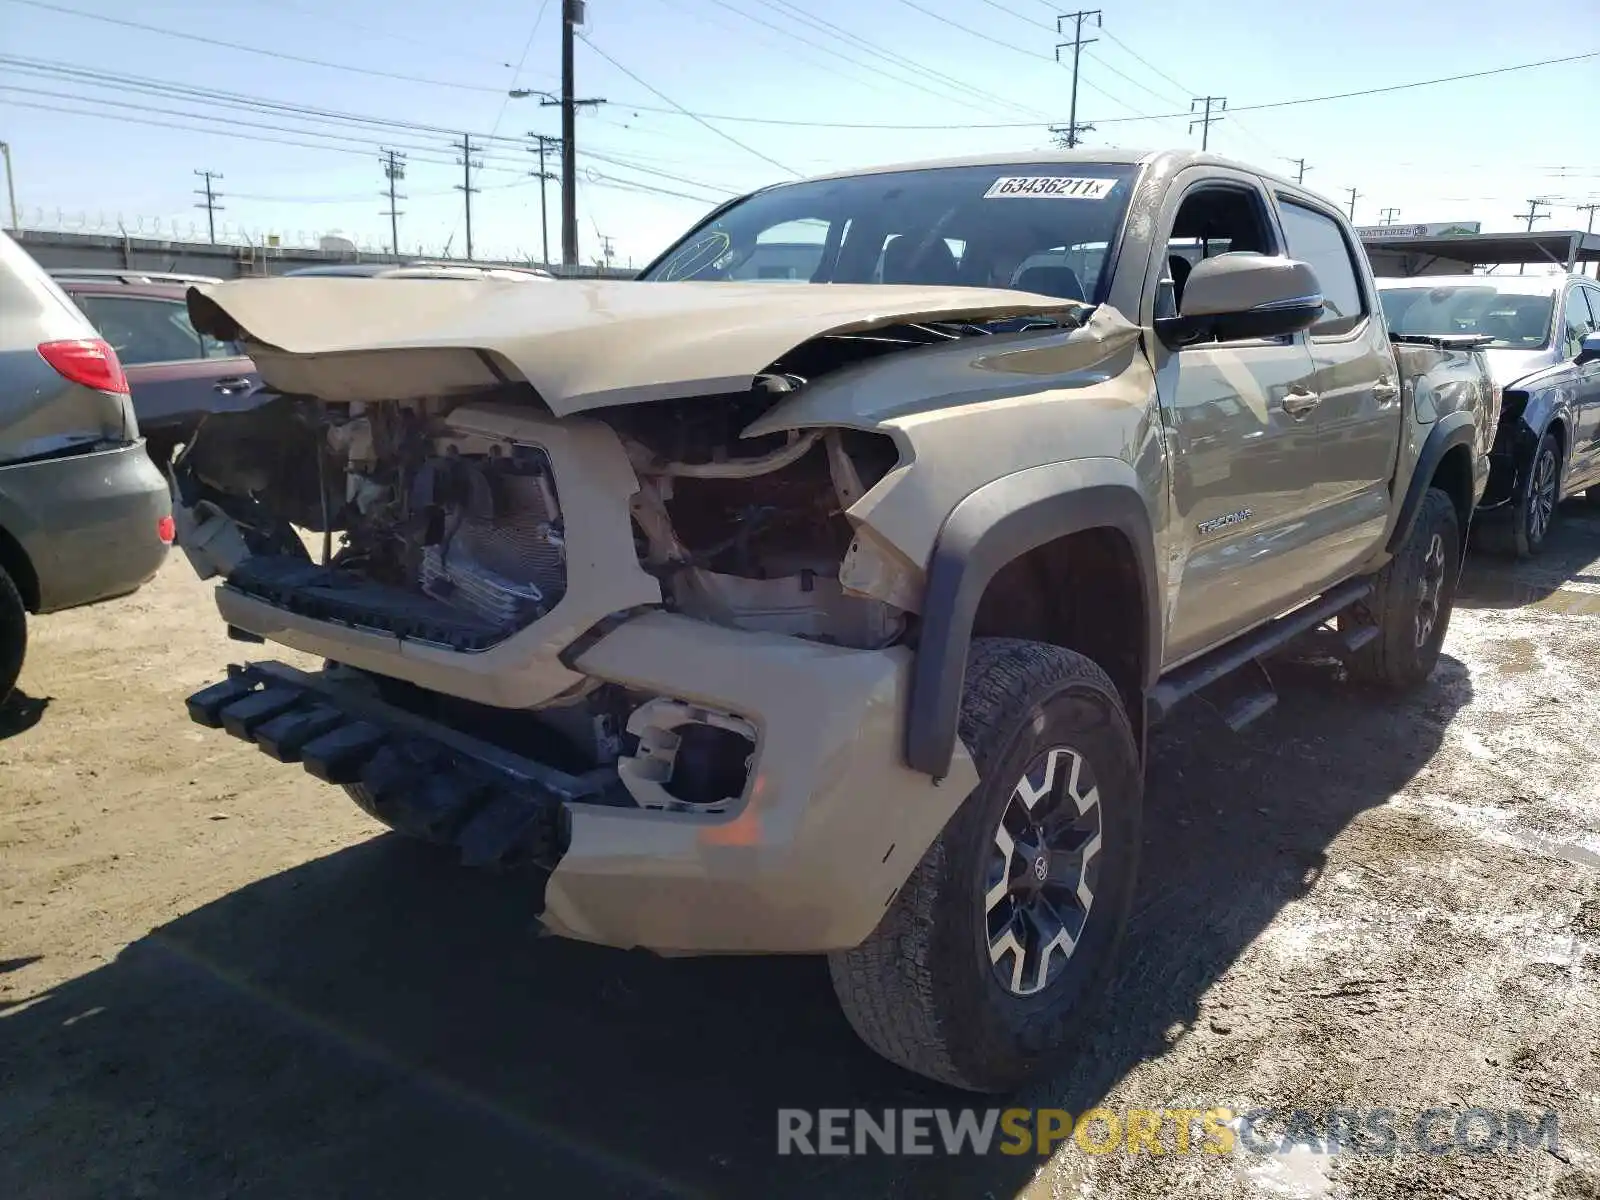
<point x="146" y="330"/>
<point x="1317" y="240"/>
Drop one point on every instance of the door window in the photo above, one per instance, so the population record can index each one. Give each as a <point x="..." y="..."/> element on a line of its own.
<point x="1580" y="321"/>
<point x="1318" y="240"/>
<point x="1213" y="219"/>
<point x="143" y="329"/>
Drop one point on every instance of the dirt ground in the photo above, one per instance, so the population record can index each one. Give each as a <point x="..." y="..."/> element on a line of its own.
<point x="217" y="977"/>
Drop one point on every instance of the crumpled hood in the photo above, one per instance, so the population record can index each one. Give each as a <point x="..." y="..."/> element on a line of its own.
<point x="1509" y="367"/>
<point x="582" y="344"/>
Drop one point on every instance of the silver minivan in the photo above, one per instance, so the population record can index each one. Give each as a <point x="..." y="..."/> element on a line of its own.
<point x="84" y="514"/>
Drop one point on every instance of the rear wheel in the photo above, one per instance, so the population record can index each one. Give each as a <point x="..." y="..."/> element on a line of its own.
<point x="1411" y="601"/>
<point x="982" y="969"/>
<point x="13" y="635"/>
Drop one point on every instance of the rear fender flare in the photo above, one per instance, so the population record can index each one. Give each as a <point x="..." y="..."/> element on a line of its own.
<point x="985" y="531"/>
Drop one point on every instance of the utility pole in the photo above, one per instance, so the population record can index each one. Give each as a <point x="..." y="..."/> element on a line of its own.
<point x="1533" y="214"/>
<point x="1353" y="195"/>
<point x="1389" y="214"/>
<point x="605" y="248"/>
<point x="545" y="142"/>
<point x="211" y="206"/>
<point x="1205" y="122"/>
<point x="11" y="183"/>
<point x="465" y="186"/>
<point x="1300" y="164"/>
<point x="1074" y="131"/>
<point x="572" y="16"/>
<point x="1588" y="208"/>
<point x="394" y="169"/>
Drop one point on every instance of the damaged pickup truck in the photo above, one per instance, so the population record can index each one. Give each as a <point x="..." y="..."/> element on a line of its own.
<point x="829" y="616"/>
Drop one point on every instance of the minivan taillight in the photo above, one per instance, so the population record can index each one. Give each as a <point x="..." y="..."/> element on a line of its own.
<point x="88" y="361"/>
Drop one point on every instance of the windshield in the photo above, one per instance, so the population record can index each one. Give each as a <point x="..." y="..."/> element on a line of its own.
<point x="1037" y="227"/>
<point x="1515" y="322"/>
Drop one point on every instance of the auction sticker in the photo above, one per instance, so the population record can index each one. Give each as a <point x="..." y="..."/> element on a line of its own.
<point x="1050" y="187"/>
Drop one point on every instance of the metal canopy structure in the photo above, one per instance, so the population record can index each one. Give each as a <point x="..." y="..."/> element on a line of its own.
<point x="1458" y="254"/>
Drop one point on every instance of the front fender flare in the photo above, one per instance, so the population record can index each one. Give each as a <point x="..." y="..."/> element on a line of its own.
<point x="1455" y="429"/>
<point x="985" y="531"/>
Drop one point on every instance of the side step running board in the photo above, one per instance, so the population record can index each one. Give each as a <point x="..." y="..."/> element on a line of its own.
<point x="423" y="778"/>
<point x="1223" y="661"/>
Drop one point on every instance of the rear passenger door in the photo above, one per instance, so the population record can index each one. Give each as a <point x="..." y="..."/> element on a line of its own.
<point x="175" y="373"/>
<point x="1358" y="415"/>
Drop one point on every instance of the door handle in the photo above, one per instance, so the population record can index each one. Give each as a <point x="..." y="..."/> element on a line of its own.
<point x="233" y="383"/>
<point x="1385" y="390"/>
<point x="1299" y="402"/>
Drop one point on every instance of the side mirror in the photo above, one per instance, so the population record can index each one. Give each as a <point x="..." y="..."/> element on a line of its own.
<point x="1590" y="350"/>
<point x="1243" y="295"/>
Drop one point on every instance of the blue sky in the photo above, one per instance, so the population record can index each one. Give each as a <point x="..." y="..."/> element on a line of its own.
<point x="1476" y="150"/>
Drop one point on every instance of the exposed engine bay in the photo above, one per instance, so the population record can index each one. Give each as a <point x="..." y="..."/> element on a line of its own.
<point x="433" y="533"/>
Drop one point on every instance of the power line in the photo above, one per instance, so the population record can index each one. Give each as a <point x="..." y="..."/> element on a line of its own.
<point x="370" y="142"/>
<point x="1131" y="53"/>
<point x="172" y="90"/>
<point x="741" y="118"/>
<point x="1012" y="46"/>
<point x="1272" y="104"/>
<point x="698" y="119"/>
<point x="247" y="49"/>
<point x="854" y="62"/>
<point x="610" y="181"/>
<point x="213" y="208"/>
<point x="505" y="100"/>
<point x="600" y="179"/>
<point x="873" y="48"/>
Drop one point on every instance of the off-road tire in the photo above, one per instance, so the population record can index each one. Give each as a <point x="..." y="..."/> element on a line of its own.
<point x="1522" y="532"/>
<point x="922" y="990"/>
<point x="1401" y="657"/>
<point x="13" y="635"/>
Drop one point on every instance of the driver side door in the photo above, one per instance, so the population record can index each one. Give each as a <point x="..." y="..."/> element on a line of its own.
<point x="1241" y="441"/>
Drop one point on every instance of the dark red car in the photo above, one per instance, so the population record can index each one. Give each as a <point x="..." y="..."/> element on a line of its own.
<point x="176" y="374"/>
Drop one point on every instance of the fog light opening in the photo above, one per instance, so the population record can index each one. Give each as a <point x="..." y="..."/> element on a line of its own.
<point x="689" y="758"/>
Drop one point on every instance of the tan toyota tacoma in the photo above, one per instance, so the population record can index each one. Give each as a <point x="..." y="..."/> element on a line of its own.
<point x="814" y="592"/>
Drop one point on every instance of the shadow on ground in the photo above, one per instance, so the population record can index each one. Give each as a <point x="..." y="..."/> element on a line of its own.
<point x="1497" y="581"/>
<point x="379" y="1023"/>
<point x="20" y="713"/>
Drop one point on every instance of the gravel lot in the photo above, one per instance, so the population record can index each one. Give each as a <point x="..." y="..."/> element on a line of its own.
<point x="217" y="979"/>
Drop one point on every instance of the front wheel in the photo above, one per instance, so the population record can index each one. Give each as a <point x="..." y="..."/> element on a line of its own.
<point x="1411" y="601"/>
<point x="986" y="962"/>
